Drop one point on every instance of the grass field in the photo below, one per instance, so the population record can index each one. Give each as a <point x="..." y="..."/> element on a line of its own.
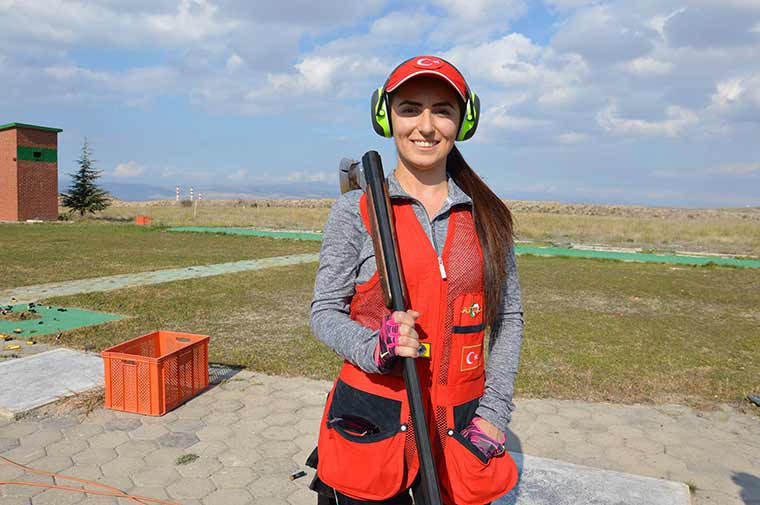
<point x="595" y="330"/>
<point x="40" y="253"/>
<point x="724" y="231"/>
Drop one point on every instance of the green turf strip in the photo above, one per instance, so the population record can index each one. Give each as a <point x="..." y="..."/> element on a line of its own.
<point x="249" y="231"/>
<point x="53" y="320"/>
<point x="519" y="249"/>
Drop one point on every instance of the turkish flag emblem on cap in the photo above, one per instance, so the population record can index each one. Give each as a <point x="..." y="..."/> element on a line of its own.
<point x="427" y="65"/>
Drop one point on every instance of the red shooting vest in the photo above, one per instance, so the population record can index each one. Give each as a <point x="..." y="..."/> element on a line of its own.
<point x="366" y="442"/>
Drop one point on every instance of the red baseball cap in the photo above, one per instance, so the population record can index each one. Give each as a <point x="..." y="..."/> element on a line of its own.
<point x="427" y="65"/>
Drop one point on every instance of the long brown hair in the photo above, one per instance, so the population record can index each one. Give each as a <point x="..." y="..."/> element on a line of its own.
<point x="493" y="224"/>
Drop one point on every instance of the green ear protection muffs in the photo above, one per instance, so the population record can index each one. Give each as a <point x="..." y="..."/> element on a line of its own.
<point x="381" y="117"/>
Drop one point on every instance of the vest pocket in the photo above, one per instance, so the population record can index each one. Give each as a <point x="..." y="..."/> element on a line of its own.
<point x="361" y="444"/>
<point x="466" y="358"/>
<point x="470" y="478"/>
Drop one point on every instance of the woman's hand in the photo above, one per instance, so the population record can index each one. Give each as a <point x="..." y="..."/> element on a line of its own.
<point x="397" y="337"/>
<point x="486" y="437"/>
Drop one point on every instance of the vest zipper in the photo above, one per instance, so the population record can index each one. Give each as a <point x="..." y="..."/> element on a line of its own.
<point x="441" y="268"/>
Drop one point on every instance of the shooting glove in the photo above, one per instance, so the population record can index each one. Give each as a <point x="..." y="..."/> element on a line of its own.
<point x="485" y="444"/>
<point x="387" y="341"/>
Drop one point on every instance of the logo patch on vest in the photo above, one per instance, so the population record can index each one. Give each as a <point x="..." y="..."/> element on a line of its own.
<point x="470" y="357"/>
<point x="473" y="310"/>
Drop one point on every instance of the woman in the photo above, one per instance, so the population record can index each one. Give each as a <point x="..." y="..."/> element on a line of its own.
<point x="456" y="250"/>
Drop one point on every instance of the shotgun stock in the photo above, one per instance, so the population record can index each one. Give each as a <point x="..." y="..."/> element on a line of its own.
<point x="371" y="179"/>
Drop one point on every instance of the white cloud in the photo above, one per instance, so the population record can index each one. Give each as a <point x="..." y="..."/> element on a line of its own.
<point x="238" y="175"/>
<point x="195" y="20"/>
<point x="128" y="169"/>
<point x="571" y="138"/>
<point x="648" y="66"/>
<point x="738" y="170"/>
<point x="677" y="120"/>
<point x="310" y="177"/>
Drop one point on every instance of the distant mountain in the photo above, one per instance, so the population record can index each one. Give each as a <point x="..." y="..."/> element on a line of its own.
<point x="143" y="192"/>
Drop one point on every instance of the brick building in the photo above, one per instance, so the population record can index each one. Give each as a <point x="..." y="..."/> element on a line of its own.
<point x="28" y="172"/>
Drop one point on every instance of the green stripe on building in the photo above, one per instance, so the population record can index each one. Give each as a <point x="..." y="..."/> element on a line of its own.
<point x="8" y="126"/>
<point x="40" y="154"/>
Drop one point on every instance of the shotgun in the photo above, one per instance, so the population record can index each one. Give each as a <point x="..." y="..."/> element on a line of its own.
<point x="371" y="179"/>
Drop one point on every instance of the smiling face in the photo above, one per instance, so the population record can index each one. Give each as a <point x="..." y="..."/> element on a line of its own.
<point x="425" y="114"/>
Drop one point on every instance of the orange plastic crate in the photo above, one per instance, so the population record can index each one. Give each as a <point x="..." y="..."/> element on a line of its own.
<point x="155" y="373"/>
<point x="144" y="220"/>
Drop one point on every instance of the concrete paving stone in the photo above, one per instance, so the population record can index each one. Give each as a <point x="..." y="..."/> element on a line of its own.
<point x="282" y="419"/>
<point x="664" y="466"/>
<point x="221" y="419"/>
<point x="109" y="439"/>
<point x="302" y="455"/>
<point x="89" y="472"/>
<point x="570" y="435"/>
<point x="166" y="456"/>
<point x="307" y="426"/>
<point x="716" y="497"/>
<point x="25" y="454"/>
<point x="228" y="497"/>
<point x="645" y="445"/>
<point x="8" y="443"/>
<point x="214" y="433"/>
<point x="271" y="485"/>
<point x="137" y="448"/>
<point x="625" y="459"/>
<point x="606" y="440"/>
<point x="59" y="422"/>
<point x="123" y="466"/>
<point x="178" y="440"/>
<point x="284" y="405"/>
<point x="9" y="472"/>
<point x="625" y="431"/>
<point x="123" y="424"/>
<point x="58" y="497"/>
<point x="538" y="407"/>
<point x="544" y="447"/>
<point x="275" y="467"/>
<point x="42" y="438"/>
<point x="148" y="432"/>
<point x="277" y="449"/>
<point x="589" y="424"/>
<point x="233" y="477"/>
<point x="581" y="452"/>
<point x="161" y="476"/>
<point x="231" y="394"/>
<point x="235" y="384"/>
<point x="100" y="500"/>
<point x="19" y="429"/>
<point x="573" y="412"/>
<point x="191" y="412"/>
<point x="201" y="467"/>
<point x="306" y="441"/>
<point x="186" y="425"/>
<point x="279" y="433"/>
<point x="313" y="413"/>
<point x="302" y="497"/>
<point x="119" y="482"/>
<point x="16" y="500"/>
<point x="271" y="500"/>
<point x="13" y="490"/>
<point x="208" y="449"/>
<point x="94" y="456"/>
<point x="191" y="488"/>
<point x="85" y="430"/>
<point x="239" y="457"/>
<point x="226" y="406"/>
<point x="155" y="492"/>
<point x="255" y="412"/>
<point x="66" y="447"/>
<point x="201" y="400"/>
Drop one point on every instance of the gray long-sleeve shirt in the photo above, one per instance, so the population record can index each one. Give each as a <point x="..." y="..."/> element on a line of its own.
<point x="348" y="258"/>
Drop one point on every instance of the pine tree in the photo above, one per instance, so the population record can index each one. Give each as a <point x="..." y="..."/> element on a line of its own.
<point x="84" y="195"/>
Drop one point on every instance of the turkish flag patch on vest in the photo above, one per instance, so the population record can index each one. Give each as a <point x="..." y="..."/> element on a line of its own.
<point x="471" y="355"/>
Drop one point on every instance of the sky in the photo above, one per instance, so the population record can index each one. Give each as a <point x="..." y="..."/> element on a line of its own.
<point x="652" y="102"/>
